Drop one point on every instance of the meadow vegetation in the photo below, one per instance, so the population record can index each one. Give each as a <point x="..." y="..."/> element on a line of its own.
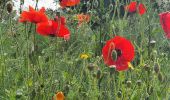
<point x="37" y="67"/>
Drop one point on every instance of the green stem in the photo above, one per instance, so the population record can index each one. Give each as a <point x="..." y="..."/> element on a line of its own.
<point x="27" y="58"/>
<point x="149" y="38"/>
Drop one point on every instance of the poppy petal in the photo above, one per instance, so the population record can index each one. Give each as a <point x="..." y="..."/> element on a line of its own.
<point x="165" y="23"/>
<point x="45" y="28"/>
<point x="141" y="9"/>
<point x="33" y="16"/>
<point x="42" y="10"/>
<point x="132" y="7"/>
<point x="64" y="3"/>
<point x="63" y="31"/>
<point x="31" y="8"/>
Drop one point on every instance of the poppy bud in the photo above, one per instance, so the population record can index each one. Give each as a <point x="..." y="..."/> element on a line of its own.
<point x="156" y="68"/>
<point x="91" y="66"/>
<point x="147" y="96"/>
<point x="98" y="74"/>
<point x="160" y="77"/>
<point x="88" y="4"/>
<point x="152" y="43"/>
<point x="9" y="6"/>
<point x="119" y="94"/>
<point x="139" y="83"/>
<point x="151" y="90"/>
<point x="96" y="4"/>
<point x="66" y="89"/>
<point x="58" y="13"/>
<point x="111" y="7"/>
<point x="128" y="84"/>
<point x="19" y="93"/>
<point x="112" y="69"/>
<point x="146" y="67"/>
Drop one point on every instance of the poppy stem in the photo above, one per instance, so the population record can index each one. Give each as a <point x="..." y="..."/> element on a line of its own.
<point x="21" y="3"/>
<point x="3" y="66"/>
<point x="27" y="56"/>
<point x="149" y="37"/>
<point x="10" y="19"/>
<point x="36" y="5"/>
<point x="112" y="83"/>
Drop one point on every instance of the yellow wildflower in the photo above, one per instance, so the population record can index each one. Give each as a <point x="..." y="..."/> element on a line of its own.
<point x="84" y="56"/>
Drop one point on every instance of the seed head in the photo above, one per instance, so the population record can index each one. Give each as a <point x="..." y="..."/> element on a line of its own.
<point x="146" y="67"/>
<point x="98" y="74"/>
<point x="139" y="83"/>
<point x="119" y="94"/>
<point x="129" y="83"/>
<point x="160" y="77"/>
<point x="152" y="43"/>
<point x="156" y="68"/>
<point x="9" y="6"/>
<point x="91" y="66"/>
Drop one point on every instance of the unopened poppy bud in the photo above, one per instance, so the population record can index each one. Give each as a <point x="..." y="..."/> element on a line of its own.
<point x="112" y="69"/>
<point x="39" y="71"/>
<point x="139" y="83"/>
<point x="151" y="90"/>
<point x="111" y="7"/>
<point x="119" y="94"/>
<point x="156" y="68"/>
<point x="88" y="4"/>
<point x="152" y="43"/>
<point x="19" y="93"/>
<point x="58" y="13"/>
<point x="9" y="6"/>
<point x="160" y="77"/>
<point x="147" y="96"/>
<point x="66" y="89"/>
<point x="128" y="84"/>
<point x="96" y="4"/>
<point x="98" y="74"/>
<point x="146" y="67"/>
<point x="91" y="66"/>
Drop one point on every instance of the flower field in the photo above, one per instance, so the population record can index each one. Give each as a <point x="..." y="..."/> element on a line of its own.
<point x="85" y="50"/>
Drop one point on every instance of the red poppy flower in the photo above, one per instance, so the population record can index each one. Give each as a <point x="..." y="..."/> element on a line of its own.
<point x="53" y="28"/>
<point x="141" y="9"/>
<point x="164" y="20"/>
<point x="33" y="16"/>
<point x="118" y="51"/>
<point x="65" y="3"/>
<point x="132" y="7"/>
<point x="61" y="19"/>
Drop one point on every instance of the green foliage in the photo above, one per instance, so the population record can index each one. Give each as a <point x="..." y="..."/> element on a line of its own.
<point x="36" y="67"/>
